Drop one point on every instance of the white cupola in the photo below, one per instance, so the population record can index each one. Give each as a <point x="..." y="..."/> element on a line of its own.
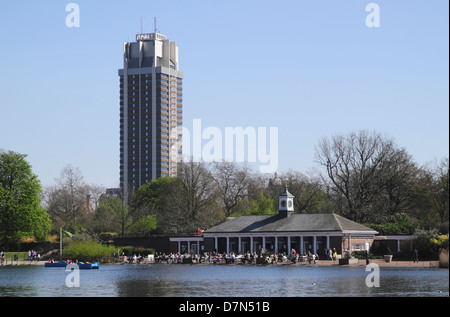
<point x="286" y="203"/>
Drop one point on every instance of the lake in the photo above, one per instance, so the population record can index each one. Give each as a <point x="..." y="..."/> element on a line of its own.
<point x="177" y="280"/>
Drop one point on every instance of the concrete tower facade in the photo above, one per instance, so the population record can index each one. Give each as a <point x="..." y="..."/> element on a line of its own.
<point x="151" y="110"/>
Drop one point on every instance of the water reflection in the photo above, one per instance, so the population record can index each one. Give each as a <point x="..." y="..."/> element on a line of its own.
<point x="148" y="288"/>
<point x="223" y="281"/>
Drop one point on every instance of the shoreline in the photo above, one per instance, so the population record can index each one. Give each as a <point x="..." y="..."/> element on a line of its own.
<point x="320" y="263"/>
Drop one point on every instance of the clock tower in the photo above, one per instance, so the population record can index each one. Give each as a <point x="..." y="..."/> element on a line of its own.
<point x="286" y="203"/>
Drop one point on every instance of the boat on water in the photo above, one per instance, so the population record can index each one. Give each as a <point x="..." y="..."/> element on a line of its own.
<point x="56" y="264"/>
<point x="88" y="266"/>
<point x="81" y="265"/>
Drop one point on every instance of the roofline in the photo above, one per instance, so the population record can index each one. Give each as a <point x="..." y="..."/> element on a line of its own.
<point x="371" y="232"/>
<point x="284" y="233"/>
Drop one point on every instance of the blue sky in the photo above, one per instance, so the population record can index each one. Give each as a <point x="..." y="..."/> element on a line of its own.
<point x="310" y="68"/>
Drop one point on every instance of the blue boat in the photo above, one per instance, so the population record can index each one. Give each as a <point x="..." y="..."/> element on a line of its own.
<point x="81" y="265"/>
<point x="88" y="266"/>
<point x="56" y="264"/>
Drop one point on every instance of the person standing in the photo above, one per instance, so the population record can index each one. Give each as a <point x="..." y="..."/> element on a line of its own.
<point x="415" y="256"/>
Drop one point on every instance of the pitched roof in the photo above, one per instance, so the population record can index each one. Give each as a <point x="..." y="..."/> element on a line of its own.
<point x="294" y="223"/>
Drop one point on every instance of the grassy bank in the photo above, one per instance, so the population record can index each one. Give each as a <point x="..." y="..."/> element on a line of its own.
<point x="20" y="255"/>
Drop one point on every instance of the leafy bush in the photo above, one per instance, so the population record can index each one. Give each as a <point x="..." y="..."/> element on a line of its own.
<point x="429" y="242"/>
<point x="363" y="255"/>
<point x="143" y="251"/>
<point x="439" y="242"/>
<point x="129" y="250"/>
<point x="88" y="251"/>
<point x="126" y="250"/>
<point x="399" y="223"/>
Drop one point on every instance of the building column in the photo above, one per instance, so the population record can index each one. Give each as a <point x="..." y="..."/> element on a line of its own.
<point x="215" y="244"/>
<point x="349" y="245"/>
<point x="314" y="244"/>
<point x="264" y="243"/>
<point x="251" y="244"/>
<point x="198" y="247"/>
<point x="328" y="242"/>
<point x="289" y="245"/>
<point x="189" y="247"/>
<point x="228" y="245"/>
<point x="276" y="244"/>
<point x="398" y="245"/>
<point x="179" y="247"/>
<point x="301" y="245"/>
<point x="239" y="245"/>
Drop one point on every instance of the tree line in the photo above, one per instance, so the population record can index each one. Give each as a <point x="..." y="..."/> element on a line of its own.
<point x="364" y="176"/>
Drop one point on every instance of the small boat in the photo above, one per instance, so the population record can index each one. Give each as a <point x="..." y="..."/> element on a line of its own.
<point x="88" y="266"/>
<point x="81" y="265"/>
<point x="56" y="264"/>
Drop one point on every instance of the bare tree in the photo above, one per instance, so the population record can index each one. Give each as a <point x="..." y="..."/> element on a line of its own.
<point x="67" y="201"/>
<point x="355" y="164"/>
<point x="199" y="190"/>
<point x="306" y="189"/>
<point x="432" y="191"/>
<point x="397" y="174"/>
<point x="232" y="181"/>
<point x="441" y="197"/>
<point x="95" y="193"/>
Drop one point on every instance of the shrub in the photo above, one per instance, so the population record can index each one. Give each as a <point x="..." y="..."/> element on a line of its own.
<point x="88" y="251"/>
<point x="429" y="242"/>
<point x="129" y="250"/>
<point x="143" y="251"/>
<point x="126" y="250"/>
<point x="397" y="224"/>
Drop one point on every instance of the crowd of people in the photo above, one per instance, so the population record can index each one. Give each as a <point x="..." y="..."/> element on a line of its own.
<point x="33" y="256"/>
<point x="261" y="257"/>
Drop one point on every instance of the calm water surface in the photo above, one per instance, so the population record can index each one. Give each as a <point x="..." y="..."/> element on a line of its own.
<point x="221" y="280"/>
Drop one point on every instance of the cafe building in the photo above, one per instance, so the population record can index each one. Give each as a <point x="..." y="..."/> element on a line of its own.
<point x="281" y="232"/>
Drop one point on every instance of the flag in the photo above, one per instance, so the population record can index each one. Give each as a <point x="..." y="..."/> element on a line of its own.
<point x="66" y="233"/>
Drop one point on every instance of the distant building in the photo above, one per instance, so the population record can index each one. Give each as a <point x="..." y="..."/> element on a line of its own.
<point x="113" y="192"/>
<point x="150" y="110"/>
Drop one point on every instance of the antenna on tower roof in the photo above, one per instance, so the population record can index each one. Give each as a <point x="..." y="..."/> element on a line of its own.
<point x="154" y="23"/>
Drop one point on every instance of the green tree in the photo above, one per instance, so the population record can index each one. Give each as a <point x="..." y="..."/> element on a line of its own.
<point x="120" y="211"/>
<point x="153" y="198"/>
<point x="263" y="206"/>
<point x="154" y="193"/>
<point x="181" y="204"/>
<point x="21" y="214"/>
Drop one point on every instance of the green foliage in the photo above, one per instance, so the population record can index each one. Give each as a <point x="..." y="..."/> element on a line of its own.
<point x="126" y="250"/>
<point x="130" y="250"/>
<point x="429" y="242"/>
<point x="143" y="251"/>
<point x="20" y="212"/>
<point x="439" y="242"/>
<point x="144" y="224"/>
<point x="363" y="255"/>
<point x="153" y="192"/>
<point x="399" y="223"/>
<point x="263" y="206"/>
<point x="88" y="251"/>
